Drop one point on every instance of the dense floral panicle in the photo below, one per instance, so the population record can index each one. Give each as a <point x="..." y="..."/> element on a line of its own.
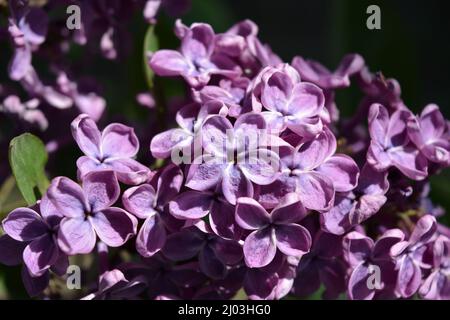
<point x="260" y="187"/>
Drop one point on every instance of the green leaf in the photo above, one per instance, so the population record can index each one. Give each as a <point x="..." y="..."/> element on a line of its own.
<point x="27" y="157"/>
<point x="150" y="45"/>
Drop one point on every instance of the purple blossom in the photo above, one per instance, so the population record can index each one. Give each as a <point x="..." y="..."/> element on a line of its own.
<point x="111" y="149"/>
<point x="367" y="259"/>
<point x="88" y="212"/>
<point x="290" y="103"/>
<point x="27" y="28"/>
<point x="391" y="145"/>
<point x="39" y="232"/>
<point x="322" y="265"/>
<point x="235" y="156"/>
<point x="277" y="230"/>
<point x="353" y="208"/>
<point x="429" y="132"/>
<point x="410" y="256"/>
<point x="315" y="172"/>
<point x="214" y="253"/>
<point x="195" y="61"/>
<point x="146" y="203"/>
<point x="436" y="286"/>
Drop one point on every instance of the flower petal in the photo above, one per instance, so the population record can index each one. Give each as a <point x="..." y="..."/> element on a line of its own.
<point x="101" y="189"/>
<point x="151" y="236"/>
<point x="343" y="170"/>
<point x="76" y="236"/>
<point x="129" y="171"/>
<point x="119" y="141"/>
<point x="235" y="184"/>
<point x="250" y="215"/>
<point x="24" y="224"/>
<point x="288" y="210"/>
<point x="114" y="226"/>
<point x="260" y="248"/>
<point x="357" y="284"/>
<point x="293" y="239"/>
<point x="190" y="205"/>
<point x="68" y="197"/>
<point x="140" y="200"/>
<point x="316" y="191"/>
<point x="87" y="135"/>
<point x="40" y="255"/>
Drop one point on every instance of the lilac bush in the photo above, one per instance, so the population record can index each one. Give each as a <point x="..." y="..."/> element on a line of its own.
<point x="262" y="190"/>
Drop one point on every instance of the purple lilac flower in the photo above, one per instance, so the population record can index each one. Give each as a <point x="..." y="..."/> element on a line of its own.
<point x="391" y="145"/>
<point x="114" y="286"/>
<point x="39" y="231"/>
<point x="315" y="172"/>
<point x="146" y="203"/>
<point x="437" y="286"/>
<point x="111" y="149"/>
<point x="214" y="253"/>
<point x="28" y="29"/>
<point x="271" y="282"/>
<point x="322" y="265"/>
<point x="365" y="258"/>
<point x="290" y="103"/>
<point x="234" y="156"/>
<point x="88" y="212"/>
<point x="428" y="132"/>
<point x="410" y="256"/>
<point x="353" y="208"/>
<point x="277" y="230"/>
<point x="195" y="62"/>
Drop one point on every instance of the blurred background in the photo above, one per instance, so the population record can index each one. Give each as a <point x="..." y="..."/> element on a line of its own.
<point x="412" y="46"/>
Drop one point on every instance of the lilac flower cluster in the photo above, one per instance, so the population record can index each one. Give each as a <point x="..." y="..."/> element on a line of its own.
<point x="279" y="197"/>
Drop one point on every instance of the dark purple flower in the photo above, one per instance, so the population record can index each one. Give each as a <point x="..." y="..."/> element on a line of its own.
<point x="409" y="256"/>
<point x="353" y="208"/>
<point x="437" y="285"/>
<point x="391" y="146"/>
<point x="368" y="259"/>
<point x="146" y="203"/>
<point x="277" y="230"/>
<point x="39" y="231"/>
<point x="214" y="253"/>
<point x="322" y="265"/>
<point x="429" y="133"/>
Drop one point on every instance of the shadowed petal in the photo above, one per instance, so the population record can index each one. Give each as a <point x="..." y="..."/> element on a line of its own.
<point x="260" y="248"/>
<point x="101" y="189"/>
<point x="293" y="240"/>
<point x="114" y="226"/>
<point x="24" y="224"/>
<point x="151" y="236"/>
